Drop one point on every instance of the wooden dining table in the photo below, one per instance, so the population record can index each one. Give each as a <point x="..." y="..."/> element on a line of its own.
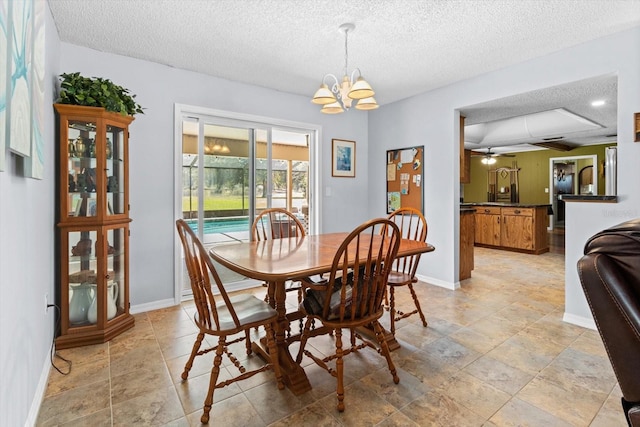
<point x="278" y="260"/>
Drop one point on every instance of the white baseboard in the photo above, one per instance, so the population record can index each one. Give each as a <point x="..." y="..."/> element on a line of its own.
<point x="36" y="403"/>
<point x="585" y="322"/>
<point x="437" y="282"/>
<point x="154" y="305"/>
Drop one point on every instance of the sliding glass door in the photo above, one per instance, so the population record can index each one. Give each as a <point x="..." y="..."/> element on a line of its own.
<point x="231" y="171"/>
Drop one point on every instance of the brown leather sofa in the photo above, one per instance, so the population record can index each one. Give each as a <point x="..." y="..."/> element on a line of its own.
<point x="610" y="276"/>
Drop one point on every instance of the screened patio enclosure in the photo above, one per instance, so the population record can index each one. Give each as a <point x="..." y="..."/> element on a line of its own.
<point x="226" y="183"/>
<point x="226" y="188"/>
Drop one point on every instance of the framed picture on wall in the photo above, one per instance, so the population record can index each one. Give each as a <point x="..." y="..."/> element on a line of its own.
<point x="343" y="158"/>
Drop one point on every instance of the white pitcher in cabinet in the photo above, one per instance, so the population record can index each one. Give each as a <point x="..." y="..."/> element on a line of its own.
<point x="112" y="308"/>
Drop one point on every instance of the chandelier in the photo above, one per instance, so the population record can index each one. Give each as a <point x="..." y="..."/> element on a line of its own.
<point x="340" y="96"/>
<point x="213" y="146"/>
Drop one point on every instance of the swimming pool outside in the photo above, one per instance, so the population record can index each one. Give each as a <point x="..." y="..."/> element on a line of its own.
<point x="221" y="225"/>
<point x="230" y="224"/>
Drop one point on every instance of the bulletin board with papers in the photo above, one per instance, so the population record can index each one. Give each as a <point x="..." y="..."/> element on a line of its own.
<point x="404" y="178"/>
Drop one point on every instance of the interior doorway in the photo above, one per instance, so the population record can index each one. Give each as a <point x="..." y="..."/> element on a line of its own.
<point x="570" y="175"/>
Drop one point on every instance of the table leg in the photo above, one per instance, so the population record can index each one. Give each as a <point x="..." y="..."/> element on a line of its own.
<point x="293" y="375"/>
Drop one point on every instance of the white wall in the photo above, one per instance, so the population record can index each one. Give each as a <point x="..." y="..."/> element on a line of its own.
<point x="583" y="221"/>
<point x="158" y="88"/>
<point x="27" y="224"/>
<point x="430" y="119"/>
<point x="427" y="120"/>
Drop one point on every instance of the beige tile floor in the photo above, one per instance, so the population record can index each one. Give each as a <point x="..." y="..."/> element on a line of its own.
<point x="495" y="353"/>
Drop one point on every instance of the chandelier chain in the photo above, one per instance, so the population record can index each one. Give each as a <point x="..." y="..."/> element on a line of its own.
<point x="346" y="53"/>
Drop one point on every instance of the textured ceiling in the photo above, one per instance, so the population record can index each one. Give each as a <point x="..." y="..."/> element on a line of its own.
<point x="402" y="47"/>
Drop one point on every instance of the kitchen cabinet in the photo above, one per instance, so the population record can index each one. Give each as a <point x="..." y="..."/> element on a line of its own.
<point x="93" y="225"/>
<point x="516" y="228"/>
<point x="487" y="226"/>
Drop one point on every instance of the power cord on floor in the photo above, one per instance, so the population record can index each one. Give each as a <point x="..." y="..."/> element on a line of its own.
<point x="53" y="352"/>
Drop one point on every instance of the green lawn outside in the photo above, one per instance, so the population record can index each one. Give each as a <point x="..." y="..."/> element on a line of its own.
<point x="217" y="203"/>
<point x="222" y="203"/>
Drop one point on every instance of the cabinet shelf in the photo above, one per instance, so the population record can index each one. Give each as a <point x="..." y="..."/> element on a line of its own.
<point x="93" y="225"/>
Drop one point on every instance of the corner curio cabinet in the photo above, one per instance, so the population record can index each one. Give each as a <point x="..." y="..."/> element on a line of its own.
<point x="93" y="225"/>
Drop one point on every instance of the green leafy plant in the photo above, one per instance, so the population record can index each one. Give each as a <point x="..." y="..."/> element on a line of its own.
<point x="97" y="92"/>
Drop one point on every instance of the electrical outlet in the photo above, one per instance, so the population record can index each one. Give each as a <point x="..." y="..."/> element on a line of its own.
<point x="46" y="303"/>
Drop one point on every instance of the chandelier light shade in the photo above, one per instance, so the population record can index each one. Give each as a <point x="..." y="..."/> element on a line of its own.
<point x="338" y="96"/>
<point x="361" y="89"/>
<point x="367" y="104"/>
<point x="334" y="108"/>
<point x="324" y="96"/>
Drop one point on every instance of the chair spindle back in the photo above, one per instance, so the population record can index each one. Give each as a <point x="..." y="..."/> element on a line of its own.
<point x="365" y="259"/>
<point x="413" y="226"/>
<point x="275" y="223"/>
<point x="201" y="270"/>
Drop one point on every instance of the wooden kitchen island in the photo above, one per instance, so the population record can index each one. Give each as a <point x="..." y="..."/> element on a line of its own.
<point x="511" y="226"/>
<point x="467" y="236"/>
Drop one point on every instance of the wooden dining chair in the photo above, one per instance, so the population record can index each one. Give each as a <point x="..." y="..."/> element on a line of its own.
<point x="223" y="316"/>
<point x="413" y="226"/>
<point x="276" y="223"/>
<point x="352" y="297"/>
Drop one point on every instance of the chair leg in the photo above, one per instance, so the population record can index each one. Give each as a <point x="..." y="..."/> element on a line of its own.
<point x="384" y="347"/>
<point x="392" y="310"/>
<point x="417" y="303"/>
<point x="303" y="339"/>
<point x="339" y="370"/>
<point x="273" y="353"/>
<point x="266" y="296"/>
<point x="215" y="371"/>
<point x="301" y="321"/>
<point x="194" y="352"/>
<point x="247" y="341"/>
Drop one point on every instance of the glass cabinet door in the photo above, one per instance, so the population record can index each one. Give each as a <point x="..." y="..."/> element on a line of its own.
<point x="116" y="246"/>
<point x="114" y="154"/>
<point x="97" y="275"/>
<point x="83" y="277"/>
<point x="82" y="163"/>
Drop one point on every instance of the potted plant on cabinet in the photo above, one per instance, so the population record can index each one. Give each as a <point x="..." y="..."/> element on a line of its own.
<point x="76" y="89"/>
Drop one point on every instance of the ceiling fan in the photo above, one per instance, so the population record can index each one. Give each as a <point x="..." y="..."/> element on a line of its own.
<point x="488" y="158"/>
